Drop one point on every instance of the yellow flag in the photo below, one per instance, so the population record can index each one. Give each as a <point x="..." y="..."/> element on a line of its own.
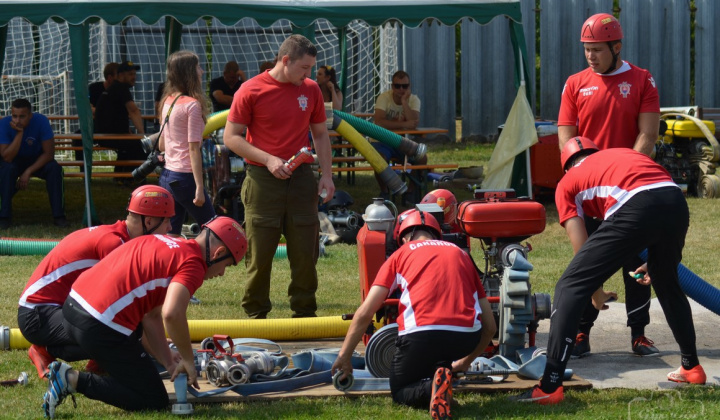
<point x="517" y="136"/>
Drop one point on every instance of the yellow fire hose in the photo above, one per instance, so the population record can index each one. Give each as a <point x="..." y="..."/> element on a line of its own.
<point x="391" y="179"/>
<point x="288" y="329"/>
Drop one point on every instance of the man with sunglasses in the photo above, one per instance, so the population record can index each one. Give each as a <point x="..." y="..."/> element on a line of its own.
<point x="397" y="109"/>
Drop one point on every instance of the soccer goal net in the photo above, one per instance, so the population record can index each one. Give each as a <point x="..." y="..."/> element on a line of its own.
<point x="37" y="62"/>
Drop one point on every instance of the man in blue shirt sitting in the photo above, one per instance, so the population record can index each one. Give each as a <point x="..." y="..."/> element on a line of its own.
<point x="27" y="148"/>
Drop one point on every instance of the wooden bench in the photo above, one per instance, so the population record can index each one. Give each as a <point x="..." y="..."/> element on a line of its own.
<point x="105" y="175"/>
<point x="398" y="167"/>
<point x="102" y="163"/>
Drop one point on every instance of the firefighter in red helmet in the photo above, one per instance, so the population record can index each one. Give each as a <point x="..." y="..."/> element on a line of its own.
<point x="616" y="104"/>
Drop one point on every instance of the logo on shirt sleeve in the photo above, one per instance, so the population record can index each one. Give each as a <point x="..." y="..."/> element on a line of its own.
<point x="303" y="102"/>
<point x="624" y="89"/>
<point x="652" y="81"/>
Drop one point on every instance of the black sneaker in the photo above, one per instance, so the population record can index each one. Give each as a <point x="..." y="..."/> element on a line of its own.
<point x="582" y="346"/>
<point x="643" y="346"/>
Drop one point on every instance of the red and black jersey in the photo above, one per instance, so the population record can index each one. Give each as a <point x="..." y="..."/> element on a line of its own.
<point x="605" y="107"/>
<point x="604" y="181"/>
<point x="51" y="281"/>
<point x="440" y="288"/>
<point x="133" y="280"/>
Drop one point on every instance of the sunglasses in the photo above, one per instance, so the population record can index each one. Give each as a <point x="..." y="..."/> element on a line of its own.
<point x="401" y="85"/>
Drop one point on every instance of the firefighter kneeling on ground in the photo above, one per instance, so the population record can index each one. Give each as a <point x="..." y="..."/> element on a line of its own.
<point x="442" y="301"/>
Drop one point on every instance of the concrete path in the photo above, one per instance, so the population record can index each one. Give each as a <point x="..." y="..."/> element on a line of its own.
<point x="612" y="364"/>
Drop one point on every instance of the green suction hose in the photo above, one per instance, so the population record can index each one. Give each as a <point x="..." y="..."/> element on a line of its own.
<point x="394" y="140"/>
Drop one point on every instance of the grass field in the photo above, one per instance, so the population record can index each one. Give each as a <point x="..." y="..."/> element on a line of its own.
<point x="339" y="293"/>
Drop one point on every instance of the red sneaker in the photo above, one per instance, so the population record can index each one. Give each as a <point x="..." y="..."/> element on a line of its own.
<point x="441" y="394"/>
<point x="695" y="375"/>
<point x="41" y="359"/>
<point x="537" y="396"/>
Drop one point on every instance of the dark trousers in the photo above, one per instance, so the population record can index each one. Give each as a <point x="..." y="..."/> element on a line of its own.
<point x="43" y="326"/>
<point x="656" y="220"/>
<point x="273" y="207"/>
<point x="51" y="172"/>
<point x="418" y="356"/>
<point x="133" y="382"/>
<point x="637" y="296"/>
<point x="184" y="192"/>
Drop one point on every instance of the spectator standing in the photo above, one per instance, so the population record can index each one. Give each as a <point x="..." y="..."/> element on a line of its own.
<point x="96" y="89"/>
<point x="115" y="109"/>
<point x="185" y="108"/>
<point x="277" y="108"/>
<point x="616" y="104"/>
<point x="27" y="149"/>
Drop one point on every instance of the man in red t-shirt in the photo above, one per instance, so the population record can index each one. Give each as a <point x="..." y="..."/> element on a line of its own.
<point x="444" y="320"/>
<point x="616" y="104"/>
<point x="40" y="307"/>
<point x="277" y="108"/>
<point x="141" y="290"/>
<point x="641" y="208"/>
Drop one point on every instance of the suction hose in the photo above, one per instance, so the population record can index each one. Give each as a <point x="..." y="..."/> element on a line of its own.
<point x="43" y="247"/>
<point x="26" y="246"/>
<point x="12" y="338"/>
<point x="698" y="289"/>
<point x="394" y="140"/>
<point x="271" y="329"/>
<point x="391" y="179"/>
<point x="288" y="329"/>
<point x="215" y="122"/>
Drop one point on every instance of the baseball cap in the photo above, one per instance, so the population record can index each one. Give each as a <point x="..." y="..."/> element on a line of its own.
<point x="127" y="66"/>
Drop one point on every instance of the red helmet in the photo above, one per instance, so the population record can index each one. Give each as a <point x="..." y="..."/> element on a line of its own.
<point x="152" y="200"/>
<point x="231" y="234"/>
<point x="415" y="218"/>
<point x="446" y="200"/>
<point x="398" y="222"/>
<point x="602" y="27"/>
<point x="574" y="146"/>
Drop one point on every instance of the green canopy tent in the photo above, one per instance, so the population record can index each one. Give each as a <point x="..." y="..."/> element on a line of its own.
<point x="80" y="14"/>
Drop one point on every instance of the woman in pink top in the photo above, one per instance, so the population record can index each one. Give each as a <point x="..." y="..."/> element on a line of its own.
<point x="181" y="139"/>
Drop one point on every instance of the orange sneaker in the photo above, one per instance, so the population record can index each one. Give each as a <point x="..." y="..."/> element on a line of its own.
<point x="41" y="359"/>
<point x="537" y="396"/>
<point x="695" y="375"/>
<point x="441" y="394"/>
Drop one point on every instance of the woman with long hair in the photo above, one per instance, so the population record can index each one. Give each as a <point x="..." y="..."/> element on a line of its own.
<point x="327" y="80"/>
<point x="185" y="101"/>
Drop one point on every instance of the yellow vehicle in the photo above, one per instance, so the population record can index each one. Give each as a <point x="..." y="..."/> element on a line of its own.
<point x="688" y="149"/>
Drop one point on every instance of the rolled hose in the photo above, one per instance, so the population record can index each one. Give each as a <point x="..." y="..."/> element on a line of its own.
<point x="698" y="289"/>
<point x="394" y="140"/>
<point x="287" y="329"/>
<point x="380" y="350"/>
<point x="391" y="179"/>
<point x="43" y="247"/>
